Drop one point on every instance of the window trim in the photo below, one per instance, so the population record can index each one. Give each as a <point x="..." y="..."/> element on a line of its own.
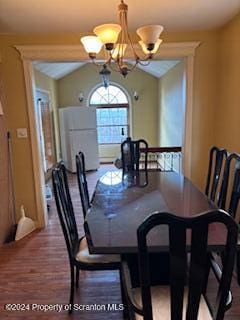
<point x="110" y="106"/>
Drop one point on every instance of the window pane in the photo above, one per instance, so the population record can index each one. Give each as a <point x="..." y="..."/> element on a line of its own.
<point x="108" y="99"/>
<point x="110" y="95"/>
<point x="112" y="134"/>
<point x="112" y="125"/>
<point x="95" y="98"/>
<point x="121" y="97"/>
<point x="111" y="116"/>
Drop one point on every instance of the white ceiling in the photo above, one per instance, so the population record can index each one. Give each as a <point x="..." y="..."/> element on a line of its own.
<point x="57" y="70"/>
<point x="79" y="16"/>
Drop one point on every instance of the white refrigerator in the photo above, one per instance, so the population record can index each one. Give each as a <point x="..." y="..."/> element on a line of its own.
<point x="78" y="132"/>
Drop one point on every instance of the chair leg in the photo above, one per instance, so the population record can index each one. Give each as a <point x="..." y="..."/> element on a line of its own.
<point x="238" y="267"/>
<point x="71" y="289"/>
<point x="77" y="278"/>
<point x="126" y="311"/>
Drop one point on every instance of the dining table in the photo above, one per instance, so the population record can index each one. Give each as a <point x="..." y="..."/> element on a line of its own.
<point x="121" y="202"/>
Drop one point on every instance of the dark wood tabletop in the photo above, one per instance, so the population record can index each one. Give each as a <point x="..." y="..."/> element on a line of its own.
<point x="120" y="204"/>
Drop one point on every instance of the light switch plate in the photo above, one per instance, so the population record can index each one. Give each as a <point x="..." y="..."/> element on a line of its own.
<point x="22" y="133"/>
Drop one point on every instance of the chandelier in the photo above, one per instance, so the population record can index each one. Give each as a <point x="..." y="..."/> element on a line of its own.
<point x="116" y="38"/>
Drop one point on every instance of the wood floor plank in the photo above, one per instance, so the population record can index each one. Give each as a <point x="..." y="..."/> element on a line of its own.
<point x="35" y="270"/>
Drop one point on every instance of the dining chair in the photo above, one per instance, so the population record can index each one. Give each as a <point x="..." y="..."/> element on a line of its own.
<point x="230" y="191"/>
<point x="185" y="296"/>
<point x="217" y="159"/>
<point x="230" y="194"/>
<point x="136" y="178"/>
<point x="78" y="252"/>
<point x="131" y="154"/>
<point x="82" y="183"/>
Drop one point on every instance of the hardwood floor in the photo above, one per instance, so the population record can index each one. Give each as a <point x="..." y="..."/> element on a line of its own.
<point x="35" y="271"/>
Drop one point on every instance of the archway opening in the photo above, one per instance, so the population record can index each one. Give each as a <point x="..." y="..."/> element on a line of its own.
<point x="112" y="112"/>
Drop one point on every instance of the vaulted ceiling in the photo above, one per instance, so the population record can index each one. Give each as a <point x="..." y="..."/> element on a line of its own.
<point x="58" y="70"/>
<point x="80" y="16"/>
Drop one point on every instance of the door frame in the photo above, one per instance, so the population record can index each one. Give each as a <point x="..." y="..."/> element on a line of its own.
<point x="52" y="120"/>
<point x="30" y="53"/>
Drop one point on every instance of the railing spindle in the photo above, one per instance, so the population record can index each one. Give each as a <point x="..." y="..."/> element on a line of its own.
<point x="164" y="158"/>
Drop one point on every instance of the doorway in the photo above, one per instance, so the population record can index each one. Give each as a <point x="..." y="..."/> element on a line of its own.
<point x="185" y="51"/>
<point x="45" y="129"/>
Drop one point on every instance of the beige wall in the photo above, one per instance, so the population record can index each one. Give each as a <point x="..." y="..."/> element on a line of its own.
<point x="227" y="114"/>
<point x="172" y="107"/>
<point x="143" y="120"/>
<point x="204" y="100"/>
<point x="46" y="83"/>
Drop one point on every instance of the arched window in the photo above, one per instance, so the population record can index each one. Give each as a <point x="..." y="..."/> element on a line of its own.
<point x="112" y="114"/>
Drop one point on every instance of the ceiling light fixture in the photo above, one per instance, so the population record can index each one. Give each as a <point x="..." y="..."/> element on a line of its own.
<point x="105" y="75"/>
<point x="116" y="38"/>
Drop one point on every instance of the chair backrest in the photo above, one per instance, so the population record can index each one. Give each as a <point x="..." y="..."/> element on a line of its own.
<point x="82" y="182"/>
<point x="198" y="266"/>
<point x="230" y="191"/>
<point x="130" y="153"/>
<point x="217" y="159"/>
<point x="65" y="209"/>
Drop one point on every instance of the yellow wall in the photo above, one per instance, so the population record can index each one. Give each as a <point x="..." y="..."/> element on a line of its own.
<point x="143" y="112"/>
<point x="204" y="98"/>
<point x="227" y="114"/>
<point x="6" y="192"/>
<point x="16" y="106"/>
<point x="46" y="83"/>
<point x="172" y="107"/>
<point x="16" y="110"/>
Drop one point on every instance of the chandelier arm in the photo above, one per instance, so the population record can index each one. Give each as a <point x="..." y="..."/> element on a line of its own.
<point x="147" y="60"/>
<point x="113" y="60"/>
<point x="132" y="47"/>
<point x="134" y="66"/>
<point x="118" y="68"/>
<point x="111" y="66"/>
<point x="125" y="36"/>
<point x="100" y="64"/>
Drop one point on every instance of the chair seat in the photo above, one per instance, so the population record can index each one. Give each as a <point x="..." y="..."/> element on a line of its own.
<point x="161" y="304"/>
<point x="84" y="256"/>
